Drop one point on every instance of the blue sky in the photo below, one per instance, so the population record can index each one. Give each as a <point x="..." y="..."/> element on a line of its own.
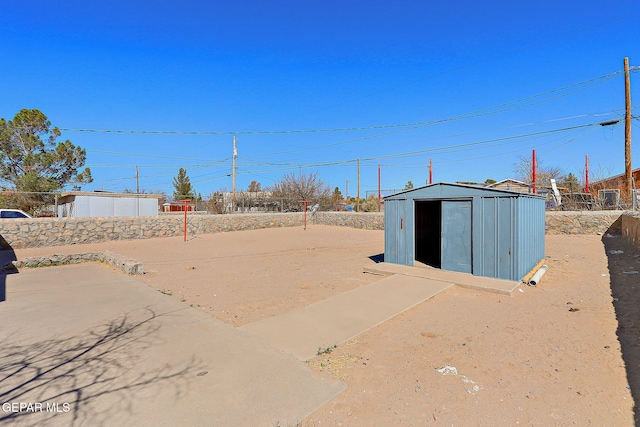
<point x="482" y="83"/>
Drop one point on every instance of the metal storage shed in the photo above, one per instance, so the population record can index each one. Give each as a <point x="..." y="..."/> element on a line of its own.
<point x="79" y="204"/>
<point x="470" y="229"/>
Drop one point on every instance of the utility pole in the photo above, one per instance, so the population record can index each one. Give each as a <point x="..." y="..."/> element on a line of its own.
<point x="533" y="170"/>
<point x="430" y="171"/>
<point x="233" y="168"/>
<point x="346" y="192"/>
<point x="358" y="199"/>
<point x="379" y="195"/>
<point x="628" y="176"/>
<point x="586" y="174"/>
<point x="137" y="192"/>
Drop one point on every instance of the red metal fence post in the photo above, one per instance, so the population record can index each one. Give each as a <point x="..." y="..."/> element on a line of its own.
<point x="184" y="207"/>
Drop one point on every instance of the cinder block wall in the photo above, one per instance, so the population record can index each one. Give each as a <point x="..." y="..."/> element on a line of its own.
<point x="25" y="233"/>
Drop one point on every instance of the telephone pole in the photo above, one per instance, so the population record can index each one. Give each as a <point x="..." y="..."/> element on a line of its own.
<point x="233" y="167"/>
<point x="379" y="195"/>
<point x="628" y="176"/>
<point x="137" y="193"/>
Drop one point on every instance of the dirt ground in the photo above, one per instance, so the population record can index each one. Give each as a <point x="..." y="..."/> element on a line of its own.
<point x="566" y="352"/>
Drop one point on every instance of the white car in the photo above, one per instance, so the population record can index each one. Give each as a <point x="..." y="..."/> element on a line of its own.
<point x="13" y="213"/>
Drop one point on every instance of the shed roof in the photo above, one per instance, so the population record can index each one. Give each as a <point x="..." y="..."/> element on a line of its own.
<point x="108" y="194"/>
<point x="508" y="180"/>
<point x="445" y="190"/>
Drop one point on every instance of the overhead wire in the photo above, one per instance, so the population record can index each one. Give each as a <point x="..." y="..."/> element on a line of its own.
<point x="473" y="114"/>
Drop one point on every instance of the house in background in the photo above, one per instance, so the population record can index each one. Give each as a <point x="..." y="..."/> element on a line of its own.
<point x="510" y="184"/>
<point x="178" y="207"/>
<point x="82" y="204"/>
<point x="610" y="190"/>
<point x="506" y="184"/>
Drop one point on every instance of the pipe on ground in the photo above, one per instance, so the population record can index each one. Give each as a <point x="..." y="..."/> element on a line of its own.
<point x="536" y="277"/>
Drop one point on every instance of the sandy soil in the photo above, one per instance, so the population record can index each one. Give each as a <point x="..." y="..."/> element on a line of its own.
<point x="550" y="355"/>
<point x="245" y="276"/>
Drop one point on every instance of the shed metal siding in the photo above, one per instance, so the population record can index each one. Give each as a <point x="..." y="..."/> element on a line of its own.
<point x="496" y="237"/>
<point x="390" y="231"/>
<point x="530" y="231"/>
<point x="398" y="232"/>
<point x="457" y="236"/>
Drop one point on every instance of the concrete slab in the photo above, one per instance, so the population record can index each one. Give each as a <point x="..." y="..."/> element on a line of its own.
<point x="465" y="280"/>
<point x="84" y="345"/>
<point x="304" y="331"/>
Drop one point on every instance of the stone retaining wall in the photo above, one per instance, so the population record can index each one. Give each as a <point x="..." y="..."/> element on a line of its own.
<point x="116" y="261"/>
<point x="368" y="221"/>
<point x="25" y="233"/>
<point x="39" y="232"/>
<point x="583" y="222"/>
<point x="630" y="227"/>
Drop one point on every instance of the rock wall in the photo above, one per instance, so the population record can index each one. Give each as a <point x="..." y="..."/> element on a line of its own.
<point x="368" y="221"/>
<point x="583" y="222"/>
<point x="28" y="233"/>
<point x="630" y="227"/>
<point x="119" y="262"/>
<point x="25" y="233"/>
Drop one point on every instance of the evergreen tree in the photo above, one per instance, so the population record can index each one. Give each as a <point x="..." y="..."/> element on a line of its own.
<point x="183" y="190"/>
<point x="32" y="160"/>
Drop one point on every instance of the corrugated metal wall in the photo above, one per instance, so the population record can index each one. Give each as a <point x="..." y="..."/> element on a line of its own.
<point x="512" y="236"/>
<point x="398" y="232"/>
<point x="530" y="232"/>
<point x="496" y="237"/>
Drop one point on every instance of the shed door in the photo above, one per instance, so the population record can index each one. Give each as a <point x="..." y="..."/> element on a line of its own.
<point x="456" y="235"/>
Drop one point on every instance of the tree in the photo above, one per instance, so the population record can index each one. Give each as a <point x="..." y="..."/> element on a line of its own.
<point x="409" y="185"/>
<point x="182" y="186"/>
<point x="336" y="197"/>
<point x="370" y="204"/>
<point x="254" y="187"/>
<point x="571" y="182"/>
<point x="216" y="204"/>
<point x="34" y="161"/>
<point x="544" y="174"/>
<point x="291" y="189"/>
<point x="490" y="181"/>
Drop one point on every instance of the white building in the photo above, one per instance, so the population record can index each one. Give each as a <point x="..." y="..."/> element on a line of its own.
<point x="81" y="204"/>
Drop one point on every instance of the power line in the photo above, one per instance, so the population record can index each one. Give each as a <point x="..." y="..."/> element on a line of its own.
<point x="478" y="113"/>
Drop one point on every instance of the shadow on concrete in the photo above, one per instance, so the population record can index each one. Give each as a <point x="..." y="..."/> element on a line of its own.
<point x="624" y="260"/>
<point x="86" y="379"/>
<point x="377" y="258"/>
<point x="7" y="255"/>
